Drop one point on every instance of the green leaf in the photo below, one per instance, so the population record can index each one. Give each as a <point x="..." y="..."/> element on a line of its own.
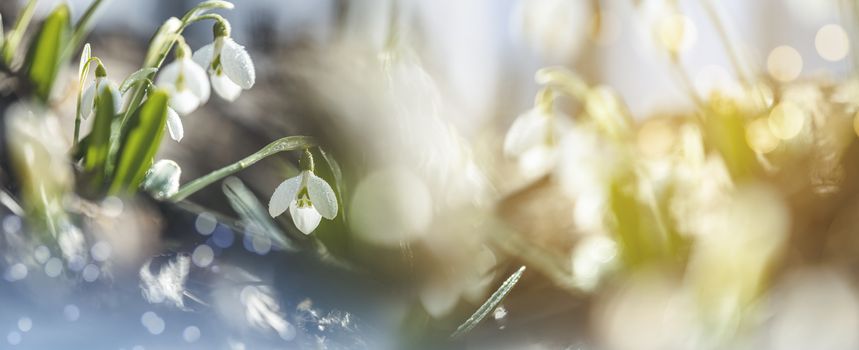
<point x="339" y="184"/>
<point x="139" y="145"/>
<point x="14" y="36"/>
<point x="490" y="304"/>
<point x="46" y="53"/>
<point x="99" y="138"/>
<point x="138" y="76"/>
<point x="254" y="215"/>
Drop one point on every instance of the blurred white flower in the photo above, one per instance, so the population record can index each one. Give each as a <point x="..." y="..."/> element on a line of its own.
<point x="186" y="82"/>
<point x="88" y="99"/>
<point x="815" y="308"/>
<point x="309" y="199"/>
<point x="533" y="140"/>
<point x="470" y="279"/>
<point x="168" y="284"/>
<point x="555" y="29"/>
<point x="162" y="179"/>
<point x="229" y="66"/>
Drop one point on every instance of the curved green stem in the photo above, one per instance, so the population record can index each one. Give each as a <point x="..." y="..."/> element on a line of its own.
<point x="290" y="143"/>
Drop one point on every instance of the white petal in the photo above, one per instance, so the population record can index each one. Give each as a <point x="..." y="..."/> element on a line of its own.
<point x="167" y="76"/>
<point x="283" y="195"/>
<point x="117" y="97"/>
<point x="322" y="196"/>
<point x="87" y="101"/>
<point x="174" y="125"/>
<point x="225" y="87"/>
<point x="528" y="130"/>
<point x="184" y="102"/>
<point x="197" y="80"/>
<point x="306" y="219"/>
<point x="237" y="64"/>
<point x="203" y="56"/>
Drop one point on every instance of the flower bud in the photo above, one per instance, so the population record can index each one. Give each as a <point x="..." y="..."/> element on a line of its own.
<point x="162" y="179"/>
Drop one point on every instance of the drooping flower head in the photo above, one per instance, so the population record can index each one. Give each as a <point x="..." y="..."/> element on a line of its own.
<point x="307" y="196"/>
<point x="186" y="82"/>
<point x="88" y="103"/>
<point x="229" y="66"/>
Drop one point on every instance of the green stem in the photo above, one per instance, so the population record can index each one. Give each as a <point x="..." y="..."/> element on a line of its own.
<point x="82" y="27"/>
<point x="10" y="45"/>
<point x="289" y="143"/>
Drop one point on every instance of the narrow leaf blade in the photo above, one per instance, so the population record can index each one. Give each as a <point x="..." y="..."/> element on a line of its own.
<point x="139" y="145"/>
<point x="138" y="76"/>
<point x="99" y="137"/>
<point x="46" y="52"/>
<point x="339" y="184"/>
<point x="253" y="214"/>
<point x="490" y="303"/>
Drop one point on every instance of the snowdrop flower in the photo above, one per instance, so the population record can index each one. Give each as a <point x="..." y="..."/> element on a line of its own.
<point x="533" y="138"/>
<point x="186" y="81"/>
<point x="229" y="66"/>
<point x="308" y="197"/>
<point x="162" y="179"/>
<point x="101" y="82"/>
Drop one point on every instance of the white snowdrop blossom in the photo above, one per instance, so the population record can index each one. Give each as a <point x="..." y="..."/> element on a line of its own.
<point x="533" y="139"/>
<point x="101" y="82"/>
<point x="229" y="66"/>
<point x="187" y="84"/>
<point x="307" y="196"/>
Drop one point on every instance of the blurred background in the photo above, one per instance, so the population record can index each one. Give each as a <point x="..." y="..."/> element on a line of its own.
<point x="697" y="193"/>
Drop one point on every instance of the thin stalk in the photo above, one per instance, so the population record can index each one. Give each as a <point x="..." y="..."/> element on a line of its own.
<point x="733" y="56"/>
<point x="289" y="143"/>
<point x="686" y="81"/>
<point x="10" y="45"/>
<point x="490" y="304"/>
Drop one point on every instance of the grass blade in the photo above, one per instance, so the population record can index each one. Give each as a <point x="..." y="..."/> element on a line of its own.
<point x="490" y="304"/>
<point x="140" y="75"/>
<point x="253" y="214"/>
<point x="139" y="145"/>
<point x="46" y="52"/>
<point x="99" y="140"/>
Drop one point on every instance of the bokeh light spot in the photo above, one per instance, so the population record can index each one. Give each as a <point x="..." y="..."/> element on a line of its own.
<point x="832" y="42"/>
<point x="784" y="63"/>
